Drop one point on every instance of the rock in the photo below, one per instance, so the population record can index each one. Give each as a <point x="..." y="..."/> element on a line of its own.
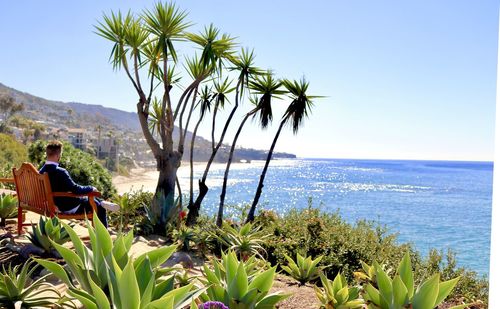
<point x="179" y="258"/>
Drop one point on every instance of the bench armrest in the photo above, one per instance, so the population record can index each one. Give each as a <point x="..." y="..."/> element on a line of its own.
<point x="7" y="180"/>
<point x="69" y="194"/>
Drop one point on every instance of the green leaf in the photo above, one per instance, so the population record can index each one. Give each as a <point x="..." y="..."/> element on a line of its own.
<point x="426" y="295"/>
<point x="129" y="290"/>
<point x="400" y="293"/>
<point x="373" y="294"/>
<point x="445" y="289"/>
<point x="239" y="284"/>
<point x="86" y="299"/>
<point x="100" y="297"/>
<point x="384" y="285"/>
<point x="263" y="281"/>
<point x="157" y="256"/>
<point x="271" y="300"/>
<point x="57" y="270"/>
<point x="406" y="274"/>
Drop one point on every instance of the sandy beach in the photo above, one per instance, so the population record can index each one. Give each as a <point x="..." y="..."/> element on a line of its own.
<point x="148" y="178"/>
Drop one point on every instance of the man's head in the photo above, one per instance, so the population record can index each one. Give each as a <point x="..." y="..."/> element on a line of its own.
<point x="54" y="151"/>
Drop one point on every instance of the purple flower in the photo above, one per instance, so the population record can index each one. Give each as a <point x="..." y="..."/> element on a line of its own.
<point x="212" y="305"/>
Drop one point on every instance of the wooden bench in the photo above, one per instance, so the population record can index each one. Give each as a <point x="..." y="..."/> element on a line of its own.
<point x="34" y="193"/>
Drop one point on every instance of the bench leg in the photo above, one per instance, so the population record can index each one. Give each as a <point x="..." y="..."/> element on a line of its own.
<point x="19" y="220"/>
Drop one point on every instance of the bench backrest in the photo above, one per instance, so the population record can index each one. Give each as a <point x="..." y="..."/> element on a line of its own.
<point x="33" y="190"/>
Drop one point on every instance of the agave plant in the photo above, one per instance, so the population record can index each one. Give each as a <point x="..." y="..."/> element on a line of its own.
<point x="108" y="277"/>
<point x="183" y="236"/>
<point x="48" y="229"/>
<point x="400" y="291"/>
<point x="246" y="241"/>
<point x="8" y="207"/>
<point x="18" y="290"/>
<point x="230" y="283"/>
<point x="336" y="294"/>
<point x="305" y="269"/>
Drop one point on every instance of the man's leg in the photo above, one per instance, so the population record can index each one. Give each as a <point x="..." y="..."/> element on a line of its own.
<point x="85" y="207"/>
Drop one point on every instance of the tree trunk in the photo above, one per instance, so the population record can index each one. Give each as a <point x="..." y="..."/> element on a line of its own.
<point x="251" y="212"/>
<point x="194" y="211"/>
<point x="226" y="173"/>
<point x="164" y="207"/>
<point x="191" y="156"/>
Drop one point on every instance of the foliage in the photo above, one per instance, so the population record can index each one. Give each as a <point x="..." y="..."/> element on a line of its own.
<point x="108" y="277"/>
<point x="47" y="231"/>
<point x="345" y="246"/>
<point x="8" y="207"/>
<point x="337" y="294"/>
<point x="12" y="154"/>
<point x="246" y="241"/>
<point x="17" y="289"/>
<point x="83" y="168"/>
<point x="183" y="237"/>
<point x="231" y="283"/>
<point x="131" y="208"/>
<point x="305" y="269"/>
<point x="400" y="291"/>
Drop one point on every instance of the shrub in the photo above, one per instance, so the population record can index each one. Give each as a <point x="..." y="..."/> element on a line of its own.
<point x="83" y="168"/>
<point x="246" y="241"/>
<point x="12" y="154"/>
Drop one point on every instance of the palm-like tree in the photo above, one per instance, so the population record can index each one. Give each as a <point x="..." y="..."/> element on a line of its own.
<point x="244" y="64"/>
<point x="146" y="42"/>
<point x="298" y="109"/>
<point x="267" y="88"/>
<point x="205" y="104"/>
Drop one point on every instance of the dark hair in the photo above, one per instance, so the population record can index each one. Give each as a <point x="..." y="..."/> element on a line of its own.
<point x="53" y="148"/>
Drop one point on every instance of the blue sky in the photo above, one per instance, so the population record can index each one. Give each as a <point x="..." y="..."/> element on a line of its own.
<point x="403" y="80"/>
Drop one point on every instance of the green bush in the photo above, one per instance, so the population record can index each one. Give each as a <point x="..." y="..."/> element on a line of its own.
<point x="344" y="246"/>
<point x="12" y="154"/>
<point x="83" y="168"/>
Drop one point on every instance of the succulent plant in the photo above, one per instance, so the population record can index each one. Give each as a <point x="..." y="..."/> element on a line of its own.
<point x="400" y="292"/>
<point x="246" y="241"/>
<point x="47" y="230"/>
<point x="18" y="289"/>
<point x="8" y="207"/>
<point x="107" y="277"/>
<point x="305" y="269"/>
<point x="230" y="283"/>
<point x="337" y="294"/>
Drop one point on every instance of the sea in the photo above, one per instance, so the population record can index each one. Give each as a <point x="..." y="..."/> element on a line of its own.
<point x="432" y="204"/>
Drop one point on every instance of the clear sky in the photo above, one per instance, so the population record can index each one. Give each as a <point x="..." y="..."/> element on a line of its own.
<point x="403" y="79"/>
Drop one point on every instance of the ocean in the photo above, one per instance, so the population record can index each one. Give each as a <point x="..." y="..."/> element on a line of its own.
<point x="432" y="204"/>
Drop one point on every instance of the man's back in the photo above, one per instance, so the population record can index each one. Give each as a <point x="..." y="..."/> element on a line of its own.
<point x="61" y="181"/>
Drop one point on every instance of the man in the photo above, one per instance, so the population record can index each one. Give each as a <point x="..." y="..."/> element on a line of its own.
<point x="61" y="181"/>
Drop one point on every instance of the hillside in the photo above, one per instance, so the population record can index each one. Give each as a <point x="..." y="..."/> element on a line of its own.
<point x="57" y="114"/>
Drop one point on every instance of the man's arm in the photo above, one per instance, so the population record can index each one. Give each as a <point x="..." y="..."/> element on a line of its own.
<point x="73" y="186"/>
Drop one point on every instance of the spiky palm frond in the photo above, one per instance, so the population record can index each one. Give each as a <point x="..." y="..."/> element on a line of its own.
<point x="205" y="102"/>
<point x="222" y="89"/>
<point x="114" y="28"/>
<point x="244" y="63"/>
<point x="267" y="87"/>
<point x="168" y="24"/>
<point x="214" y="48"/>
<point x="155" y="115"/>
<point x="301" y="103"/>
<point x="196" y="69"/>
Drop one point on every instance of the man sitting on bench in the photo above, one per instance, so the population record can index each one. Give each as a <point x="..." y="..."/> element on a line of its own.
<point x="61" y="181"/>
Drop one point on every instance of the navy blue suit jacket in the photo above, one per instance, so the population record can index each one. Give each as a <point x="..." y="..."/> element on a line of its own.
<point x="61" y="181"/>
